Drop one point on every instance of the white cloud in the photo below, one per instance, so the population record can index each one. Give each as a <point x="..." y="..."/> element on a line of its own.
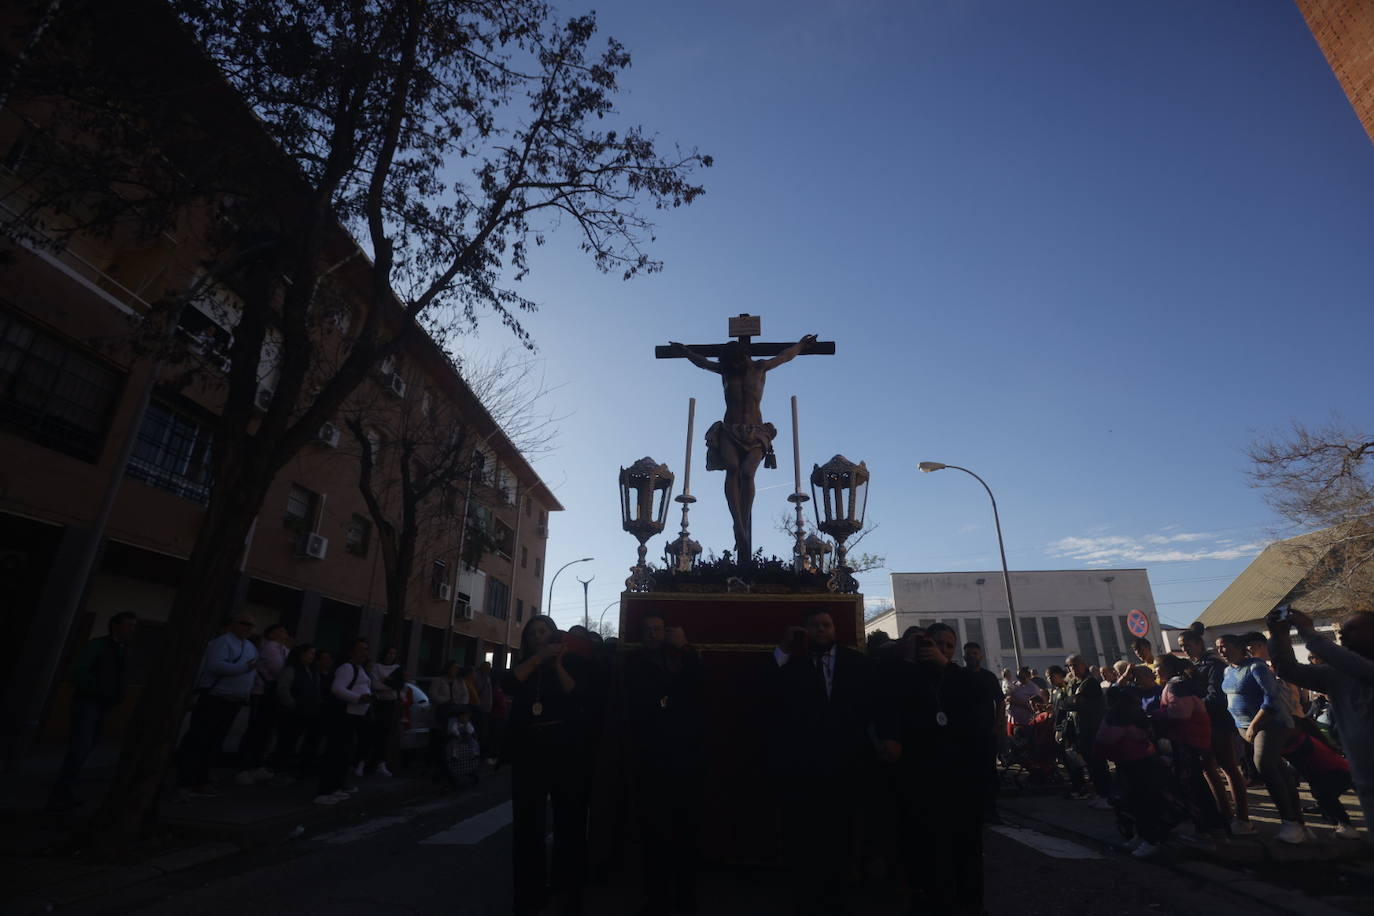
<point x="1115" y="550"/>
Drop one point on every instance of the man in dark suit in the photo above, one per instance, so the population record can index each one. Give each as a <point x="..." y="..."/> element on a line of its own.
<point x="932" y="726"/>
<point x="665" y="715"/>
<point x="825" y="694"/>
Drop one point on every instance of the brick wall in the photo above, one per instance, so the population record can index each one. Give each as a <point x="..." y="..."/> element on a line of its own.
<point x="1345" y="31"/>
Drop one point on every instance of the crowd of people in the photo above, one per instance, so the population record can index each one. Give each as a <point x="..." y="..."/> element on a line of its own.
<point x="1180" y="737"/>
<point x="614" y="740"/>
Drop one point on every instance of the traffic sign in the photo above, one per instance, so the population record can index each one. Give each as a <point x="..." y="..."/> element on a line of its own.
<point x="1137" y="622"/>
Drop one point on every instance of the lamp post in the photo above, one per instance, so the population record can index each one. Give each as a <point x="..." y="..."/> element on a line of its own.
<point x="586" y="618"/>
<point x="548" y="607"/>
<point x="602" y="619"/>
<point x="927" y="467"/>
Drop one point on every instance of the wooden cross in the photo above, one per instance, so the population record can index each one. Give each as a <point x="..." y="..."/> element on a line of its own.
<point x="745" y="328"/>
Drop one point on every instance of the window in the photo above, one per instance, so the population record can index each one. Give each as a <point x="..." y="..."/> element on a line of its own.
<point x="529" y="509"/>
<point x="300" y="508"/>
<point x="519" y="610"/>
<point x="504" y="539"/>
<point x="1110" y="650"/>
<point x="52" y="394"/>
<point x="1053" y="638"/>
<point x="172" y="452"/>
<point x="524" y="556"/>
<point x="1004" y="634"/>
<point x="926" y="622"/>
<point x="358" y="536"/>
<point x="498" y="599"/>
<point x="973" y="629"/>
<point x="539" y="567"/>
<point x="438" y="577"/>
<point x="953" y="625"/>
<point x="1030" y="633"/>
<point x="1087" y="643"/>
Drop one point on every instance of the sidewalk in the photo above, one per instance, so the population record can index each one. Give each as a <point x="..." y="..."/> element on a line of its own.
<point x="38" y="870"/>
<point x="1329" y="872"/>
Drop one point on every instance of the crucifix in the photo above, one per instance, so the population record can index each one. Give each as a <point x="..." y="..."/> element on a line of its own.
<point x="738" y="443"/>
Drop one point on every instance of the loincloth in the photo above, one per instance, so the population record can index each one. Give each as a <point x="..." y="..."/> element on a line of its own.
<point x="747" y="436"/>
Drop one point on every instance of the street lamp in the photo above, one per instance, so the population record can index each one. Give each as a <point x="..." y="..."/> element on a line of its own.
<point x="928" y="466"/>
<point x="548" y="608"/>
<point x="586" y="619"/>
<point x="602" y="618"/>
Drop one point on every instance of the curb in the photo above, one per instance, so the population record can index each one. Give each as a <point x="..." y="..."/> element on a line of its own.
<point x="1243" y="883"/>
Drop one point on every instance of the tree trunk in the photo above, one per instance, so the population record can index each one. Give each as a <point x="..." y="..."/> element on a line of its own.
<point x="201" y="602"/>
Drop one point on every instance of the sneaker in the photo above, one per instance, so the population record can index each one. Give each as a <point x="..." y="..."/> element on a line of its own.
<point x="327" y="799"/>
<point x="358" y="770"/>
<point x="1348" y="832"/>
<point x="1242" y="828"/>
<point x="341" y="795"/>
<point x="1100" y="804"/>
<point x="382" y="770"/>
<point x="262" y="774"/>
<point x="349" y="790"/>
<point x="245" y="778"/>
<point x="1291" y="832"/>
<point x="1144" y="850"/>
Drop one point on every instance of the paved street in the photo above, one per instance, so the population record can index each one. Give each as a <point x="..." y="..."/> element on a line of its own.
<point x="452" y="855"/>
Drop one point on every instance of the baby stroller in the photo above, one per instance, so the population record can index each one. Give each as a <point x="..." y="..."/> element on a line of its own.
<point x="462" y="755"/>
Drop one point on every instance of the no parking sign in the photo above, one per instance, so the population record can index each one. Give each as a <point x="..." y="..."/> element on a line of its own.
<point x="1137" y="623"/>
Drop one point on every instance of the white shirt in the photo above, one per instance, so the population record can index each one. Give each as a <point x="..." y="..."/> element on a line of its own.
<point x="825" y="659"/>
<point x="349" y="673"/>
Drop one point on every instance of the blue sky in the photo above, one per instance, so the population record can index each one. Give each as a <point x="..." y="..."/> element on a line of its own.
<point x="1089" y="250"/>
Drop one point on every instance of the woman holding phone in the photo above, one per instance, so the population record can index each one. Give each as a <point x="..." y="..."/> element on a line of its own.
<point x="546" y="746"/>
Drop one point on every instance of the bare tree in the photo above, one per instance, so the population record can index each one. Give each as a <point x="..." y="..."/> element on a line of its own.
<point x="1323" y="478"/>
<point x="427" y="468"/>
<point x="267" y="135"/>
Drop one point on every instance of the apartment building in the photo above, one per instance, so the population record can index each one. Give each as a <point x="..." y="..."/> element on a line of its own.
<point x="72" y="396"/>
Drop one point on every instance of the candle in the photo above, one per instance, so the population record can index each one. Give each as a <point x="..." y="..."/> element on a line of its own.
<point x="687" y="462"/>
<point x="796" y="446"/>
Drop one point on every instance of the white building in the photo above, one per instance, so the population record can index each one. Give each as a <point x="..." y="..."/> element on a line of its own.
<point x="1060" y="612"/>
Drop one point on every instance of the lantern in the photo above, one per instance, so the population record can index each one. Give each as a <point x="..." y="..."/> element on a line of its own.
<point x="681" y="553"/>
<point x="816" y="549"/>
<point x="839" y="492"/>
<point x="645" y="488"/>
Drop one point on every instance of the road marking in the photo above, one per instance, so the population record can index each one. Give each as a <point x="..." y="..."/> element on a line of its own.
<point x="1050" y="845"/>
<point x="473" y="830"/>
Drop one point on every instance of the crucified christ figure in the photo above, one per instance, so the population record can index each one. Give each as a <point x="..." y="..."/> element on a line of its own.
<point x="738" y="443"/>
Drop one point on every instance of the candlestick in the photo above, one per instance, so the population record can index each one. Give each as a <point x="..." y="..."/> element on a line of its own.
<point x="798" y="497"/>
<point x="687" y="462"/>
<point x="796" y="447"/>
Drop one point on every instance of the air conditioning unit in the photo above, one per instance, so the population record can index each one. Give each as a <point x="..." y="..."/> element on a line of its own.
<point x="442" y="591"/>
<point x="329" y="435"/>
<point x="264" y="399"/>
<point x="396" y="385"/>
<point x="315" y="546"/>
<point x="464" y="606"/>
